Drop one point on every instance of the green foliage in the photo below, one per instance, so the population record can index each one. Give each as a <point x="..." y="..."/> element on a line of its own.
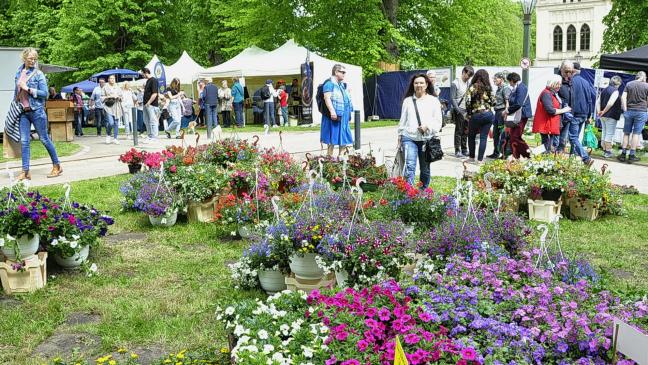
<point x="626" y="26"/>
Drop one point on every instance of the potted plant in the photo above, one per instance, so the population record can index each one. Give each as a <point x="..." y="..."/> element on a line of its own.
<point x="21" y="223"/>
<point x="367" y="253"/>
<point x="73" y="231"/>
<point x="270" y="268"/>
<point x="283" y="173"/>
<point x="134" y="159"/>
<point x="197" y="185"/>
<point x="159" y="202"/>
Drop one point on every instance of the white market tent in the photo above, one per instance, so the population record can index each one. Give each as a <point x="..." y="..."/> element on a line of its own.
<point x="240" y="59"/>
<point x="184" y="69"/>
<point x="154" y="60"/>
<point x="285" y="62"/>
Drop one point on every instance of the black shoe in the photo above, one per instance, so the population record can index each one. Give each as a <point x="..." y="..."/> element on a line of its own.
<point x="168" y="134"/>
<point x="493" y="156"/>
<point x="621" y="158"/>
<point x="633" y="158"/>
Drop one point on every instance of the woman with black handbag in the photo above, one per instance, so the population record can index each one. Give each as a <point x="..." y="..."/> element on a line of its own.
<point x="420" y="121"/>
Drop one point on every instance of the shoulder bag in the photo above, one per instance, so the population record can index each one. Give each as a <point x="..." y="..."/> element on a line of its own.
<point x="432" y="147"/>
<point x="512" y="121"/>
<point x="16" y="109"/>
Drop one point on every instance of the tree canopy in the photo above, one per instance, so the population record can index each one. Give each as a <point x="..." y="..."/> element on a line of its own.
<point x="98" y="34"/>
<point x="626" y="26"/>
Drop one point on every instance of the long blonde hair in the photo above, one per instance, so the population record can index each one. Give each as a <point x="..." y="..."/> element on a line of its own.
<point x="28" y="51"/>
<point x="175" y="84"/>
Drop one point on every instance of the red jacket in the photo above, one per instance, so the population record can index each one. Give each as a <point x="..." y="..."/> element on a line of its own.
<point x="543" y="122"/>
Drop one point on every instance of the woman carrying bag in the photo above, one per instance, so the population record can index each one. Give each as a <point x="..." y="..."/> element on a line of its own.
<point x="420" y="121"/>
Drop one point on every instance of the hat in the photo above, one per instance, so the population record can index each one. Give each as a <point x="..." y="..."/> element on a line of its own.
<point x="268" y="81"/>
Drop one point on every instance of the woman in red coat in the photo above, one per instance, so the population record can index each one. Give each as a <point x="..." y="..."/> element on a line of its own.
<point x="547" y="117"/>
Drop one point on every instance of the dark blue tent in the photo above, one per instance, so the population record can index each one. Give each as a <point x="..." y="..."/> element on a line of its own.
<point x="87" y="86"/>
<point x="122" y="74"/>
<point x="383" y="94"/>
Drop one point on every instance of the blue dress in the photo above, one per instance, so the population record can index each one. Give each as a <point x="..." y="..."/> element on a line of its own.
<point x="337" y="133"/>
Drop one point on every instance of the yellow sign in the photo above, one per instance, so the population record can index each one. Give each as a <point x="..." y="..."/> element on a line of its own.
<point x="399" y="354"/>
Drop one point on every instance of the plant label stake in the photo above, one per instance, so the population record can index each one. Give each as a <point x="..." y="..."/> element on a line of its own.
<point x="543" y="243"/>
<point x="66" y="202"/>
<point x="256" y="191"/>
<point x="630" y="342"/>
<point x="321" y="169"/>
<point x="281" y="149"/>
<point x="344" y="171"/>
<point x="275" y="206"/>
<point x="266" y="129"/>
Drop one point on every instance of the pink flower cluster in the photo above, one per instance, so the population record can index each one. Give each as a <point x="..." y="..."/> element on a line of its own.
<point x="364" y="325"/>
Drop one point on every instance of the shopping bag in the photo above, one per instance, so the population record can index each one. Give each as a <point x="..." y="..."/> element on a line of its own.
<point x="589" y="138"/>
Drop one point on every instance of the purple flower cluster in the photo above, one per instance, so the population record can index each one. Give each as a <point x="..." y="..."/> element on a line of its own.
<point x="155" y="199"/>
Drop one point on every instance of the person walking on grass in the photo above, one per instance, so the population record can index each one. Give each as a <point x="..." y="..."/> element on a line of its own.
<point x="420" y="120"/>
<point x="608" y="108"/>
<point x="582" y="109"/>
<point x="634" y="102"/>
<point x="30" y="90"/>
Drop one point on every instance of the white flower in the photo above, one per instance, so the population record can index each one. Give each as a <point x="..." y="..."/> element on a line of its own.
<point x="263" y="334"/>
<point x="239" y="330"/>
<point x="10" y="238"/>
<point x="76" y="237"/>
<point x="268" y="349"/>
<point x="308" y="352"/>
<point x="93" y="267"/>
<point x="54" y="242"/>
<point x="74" y="244"/>
<point x="229" y="311"/>
<point x="2" y="241"/>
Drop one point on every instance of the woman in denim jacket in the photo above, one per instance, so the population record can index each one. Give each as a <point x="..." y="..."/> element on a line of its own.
<point x="31" y="92"/>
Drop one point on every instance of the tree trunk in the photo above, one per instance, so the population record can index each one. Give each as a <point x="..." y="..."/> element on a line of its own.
<point x="390" y="9"/>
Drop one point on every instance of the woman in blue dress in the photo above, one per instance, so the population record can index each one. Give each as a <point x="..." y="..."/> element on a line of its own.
<point x="335" y="130"/>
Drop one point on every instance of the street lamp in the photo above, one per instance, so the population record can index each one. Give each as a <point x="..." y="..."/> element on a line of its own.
<point x="527" y="9"/>
<point x="578" y="58"/>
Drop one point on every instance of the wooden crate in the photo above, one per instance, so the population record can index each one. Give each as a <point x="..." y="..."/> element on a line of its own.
<point x="308" y="286"/>
<point x="544" y="210"/>
<point x="61" y="131"/>
<point x="59" y="104"/>
<point x="60" y="115"/>
<point x="10" y="149"/>
<point x="34" y="276"/>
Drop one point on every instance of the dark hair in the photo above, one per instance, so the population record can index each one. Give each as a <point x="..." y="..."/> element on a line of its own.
<point x="481" y="81"/>
<point x="145" y="70"/>
<point x="75" y="89"/>
<point x="513" y="77"/>
<point x="410" y="89"/>
<point x="469" y="70"/>
<point x="101" y="79"/>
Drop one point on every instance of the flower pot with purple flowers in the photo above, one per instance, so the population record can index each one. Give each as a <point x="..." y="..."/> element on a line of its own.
<point x="305" y="267"/>
<point x="73" y="261"/>
<point x="165" y="220"/>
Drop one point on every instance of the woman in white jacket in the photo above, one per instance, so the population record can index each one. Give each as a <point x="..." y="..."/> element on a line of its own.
<point x="420" y="120"/>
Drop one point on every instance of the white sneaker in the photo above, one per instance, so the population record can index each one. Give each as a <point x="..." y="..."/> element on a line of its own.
<point x="116" y="141"/>
<point x="108" y="140"/>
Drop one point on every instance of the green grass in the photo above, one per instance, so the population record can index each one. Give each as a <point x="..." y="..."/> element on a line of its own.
<point x="162" y="290"/>
<point x="38" y="150"/>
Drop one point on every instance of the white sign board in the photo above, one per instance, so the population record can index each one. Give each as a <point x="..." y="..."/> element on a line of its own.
<point x="442" y="76"/>
<point x="525" y="63"/>
<point x="598" y="78"/>
<point x="631" y="342"/>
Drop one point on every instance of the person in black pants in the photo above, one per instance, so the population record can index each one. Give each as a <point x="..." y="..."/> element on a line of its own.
<point x="501" y="103"/>
<point x="479" y="105"/>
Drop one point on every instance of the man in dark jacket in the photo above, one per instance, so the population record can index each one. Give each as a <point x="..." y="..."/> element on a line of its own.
<point x="565" y="93"/>
<point x="583" y="108"/>
<point x="210" y="95"/>
<point x="519" y="98"/>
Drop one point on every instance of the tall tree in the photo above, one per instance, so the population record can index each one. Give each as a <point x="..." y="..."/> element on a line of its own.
<point x="30" y="24"/>
<point x="626" y="26"/>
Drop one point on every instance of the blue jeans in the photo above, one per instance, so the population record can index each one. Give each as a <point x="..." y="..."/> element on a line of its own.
<point x="550" y="141"/>
<point x="269" y="113"/>
<point x="414" y="150"/>
<point x="184" y="122"/>
<point x="140" y="121"/>
<point x="479" y="123"/>
<point x="238" y="113"/>
<point x="39" y="120"/>
<point x="574" y="131"/>
<point x="212" y="115"/>
<point x="498" y="124"/>
<point x="112" y="124"/>
<point x="99" y="116"/>
<point x="78" y="122"/>
<point x="151" y="115"/>
<point x="562" y="138"/>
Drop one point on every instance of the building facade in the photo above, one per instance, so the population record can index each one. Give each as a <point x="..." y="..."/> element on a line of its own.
<point x="569" y="29"/>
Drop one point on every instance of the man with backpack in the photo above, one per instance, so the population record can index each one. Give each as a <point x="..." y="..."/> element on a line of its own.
<point x="334" y="102"/>
<point x="268" y="94"/>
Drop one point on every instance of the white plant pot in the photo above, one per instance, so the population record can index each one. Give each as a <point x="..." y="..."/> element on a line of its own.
<point x="26" y="247"/>
<point x="245" y="231"/>
<point x="73" y="261"/>
<point x="341" y="277"/>
<point x="305" y="267"/>
<point x="272" y="281"/>
<point x="166" y="220"/>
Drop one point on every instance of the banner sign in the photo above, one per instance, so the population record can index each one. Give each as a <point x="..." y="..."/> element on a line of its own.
<point x="158" y="72"/>
<point x="307" y="93"/>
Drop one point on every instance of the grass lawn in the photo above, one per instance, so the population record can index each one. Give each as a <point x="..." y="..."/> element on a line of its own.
<point x="159" y="287"/>
<point x="39" y="151"/>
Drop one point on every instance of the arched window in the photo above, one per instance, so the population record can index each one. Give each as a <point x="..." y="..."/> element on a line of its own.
<point x="557" y="39"/>
<point x="585" y="38"/>
<point x="571" y="38"/>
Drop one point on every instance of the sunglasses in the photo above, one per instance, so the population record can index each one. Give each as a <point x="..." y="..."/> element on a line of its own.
<point x="342" y="72"/>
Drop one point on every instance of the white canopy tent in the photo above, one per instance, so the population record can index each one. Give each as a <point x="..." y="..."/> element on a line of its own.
<point x="184" y="69"/>
<point x="154" y="60"/>
<point x="240" y="59"/>
<point x="285" y="62"/>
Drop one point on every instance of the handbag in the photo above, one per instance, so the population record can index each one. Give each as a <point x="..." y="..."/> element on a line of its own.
<point x="512" y="121"/>
<point x="16" y="109"/>
<point x="110" y="102"/>
<point x="432" y="147"/>
<point x="398" y="167"/>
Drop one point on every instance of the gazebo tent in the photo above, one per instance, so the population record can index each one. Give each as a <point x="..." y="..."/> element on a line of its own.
<point x="184" y="69"/>
<point x="152" y="62"/>
<point x="236" y="61"/>
<point x="632" y="60"/>
<point x="285" y="63"/>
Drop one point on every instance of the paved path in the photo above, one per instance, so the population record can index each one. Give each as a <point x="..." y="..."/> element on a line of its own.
<point x="97" y="159"/>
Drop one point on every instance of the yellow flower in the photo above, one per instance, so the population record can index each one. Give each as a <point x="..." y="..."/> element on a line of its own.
<point x="167" y="361"/>
<point x="224" y="350"/>
<point x="134" y="355"/>
<point x="178" y="363"/>
<point x="122" y="350"/>
<point x="112" y="362"/>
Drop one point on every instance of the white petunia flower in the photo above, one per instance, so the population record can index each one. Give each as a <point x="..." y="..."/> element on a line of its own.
<point x="74" y="244"/>
<point x="263" y="334"/>
<point x="2" y="242"/>
<point x="229" y="311"/>
<point x="93" y="267"/>
<point x="54" y="242"/>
